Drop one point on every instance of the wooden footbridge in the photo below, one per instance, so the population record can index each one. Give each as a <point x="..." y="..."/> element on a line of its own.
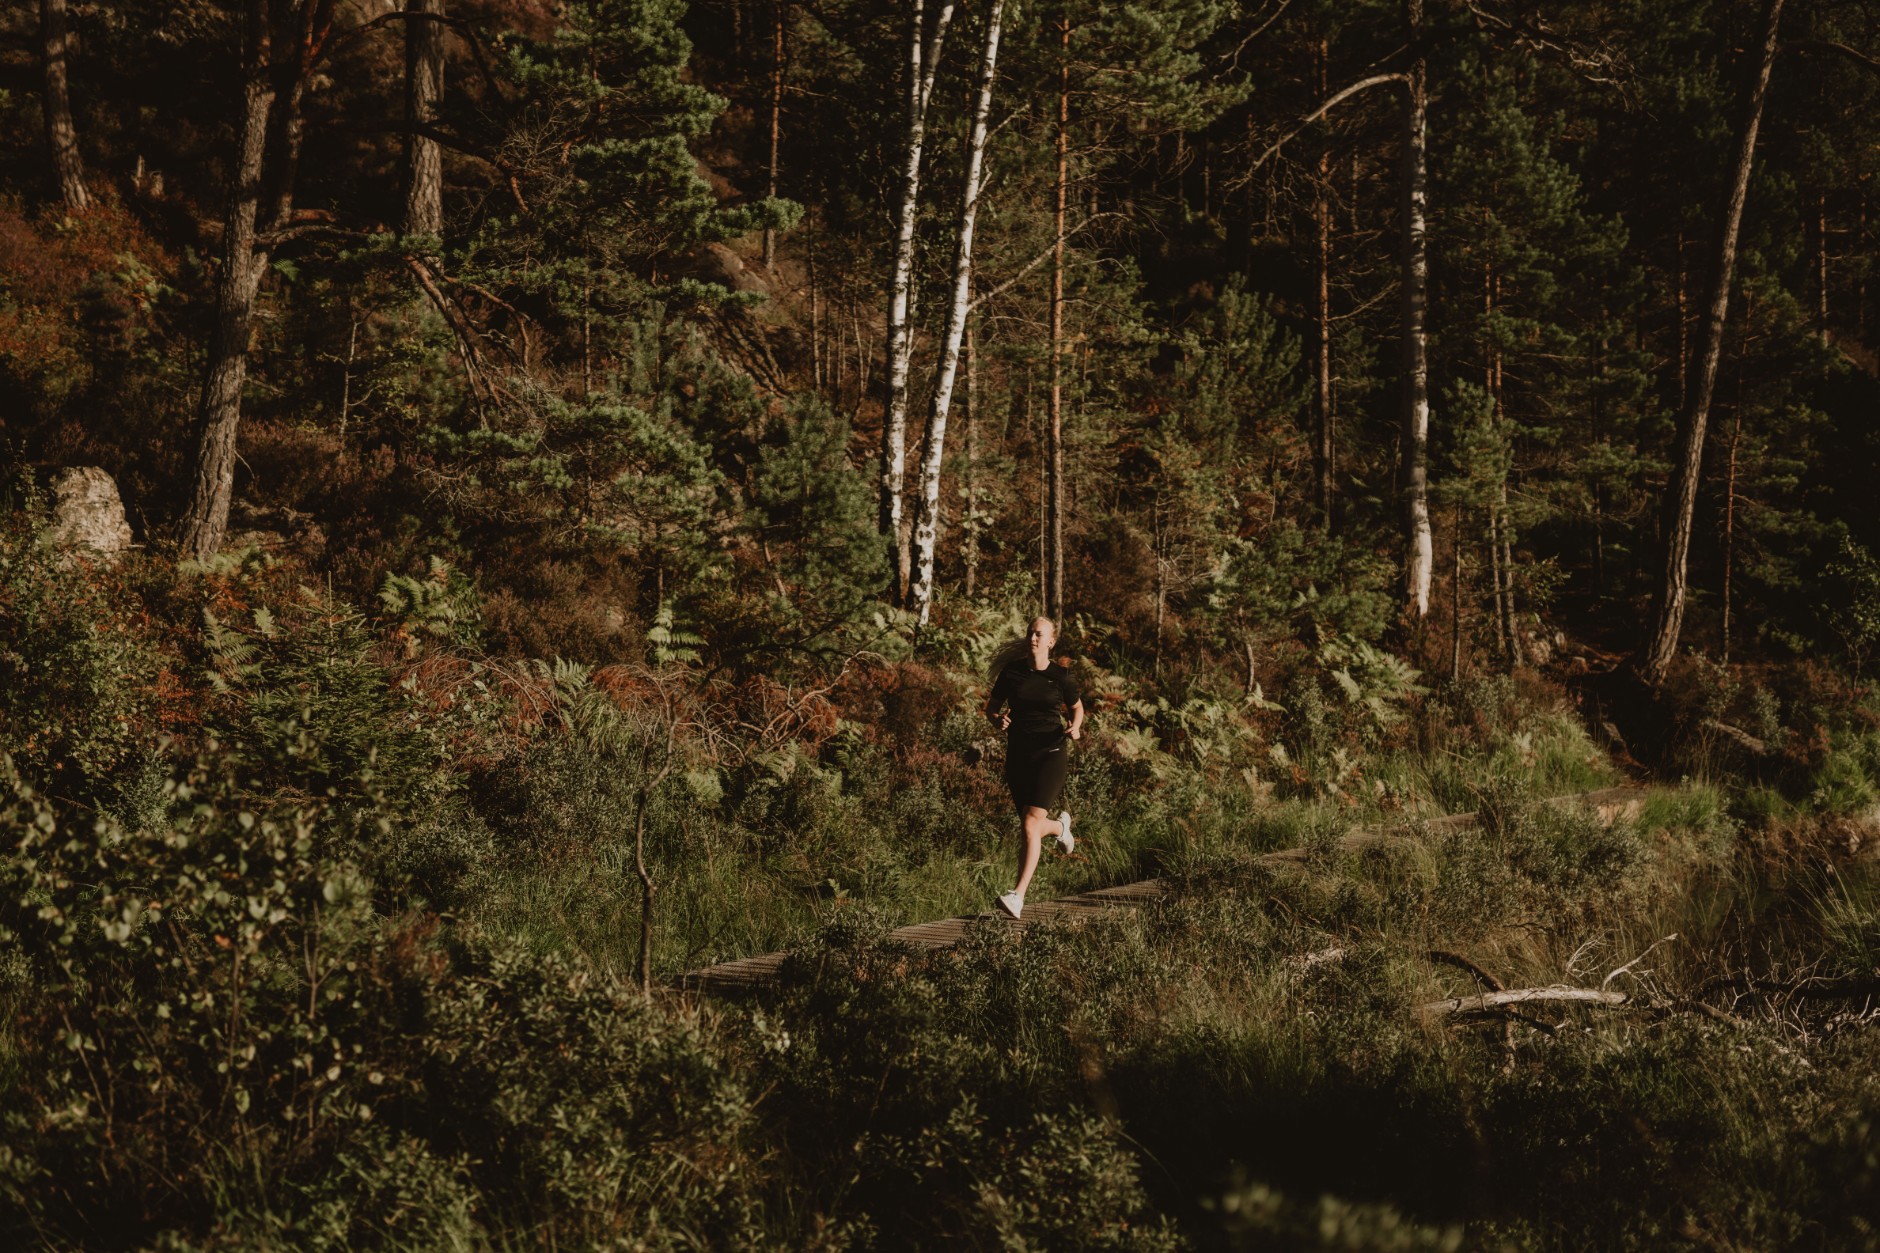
<point x="725" y="978"/>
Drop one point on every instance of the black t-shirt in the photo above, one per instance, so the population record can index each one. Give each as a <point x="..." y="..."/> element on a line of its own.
<point x="1037" y="697"/>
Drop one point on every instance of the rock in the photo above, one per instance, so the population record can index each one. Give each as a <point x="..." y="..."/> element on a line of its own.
<point x="88" y="513"/>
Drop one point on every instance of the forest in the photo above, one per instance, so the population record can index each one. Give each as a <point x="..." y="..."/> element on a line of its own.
<point x="508" y="506"/>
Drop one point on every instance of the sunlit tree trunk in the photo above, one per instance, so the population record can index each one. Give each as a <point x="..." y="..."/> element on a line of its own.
<point x="776" y="119"/>
<point x="922" y="62"/>
<point x="206" y="519"/>
<point x="927" y="521"/>
<point x="1684" y="330"/>
<point x="1455" y="598"/>
<point x="1681" y="498"/>
<point x="1419" y="556"/>
<point x="1054" y="435"/>
<point x="1821" y="267"/>
<point x="61" y="134"/>
<point x="969" y="530"/>
<point x="1322" y="319"/>
<point x="424" y="89"/>
<point x="261" y="203"/>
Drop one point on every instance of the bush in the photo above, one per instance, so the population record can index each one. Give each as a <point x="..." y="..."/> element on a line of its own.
<point x="217" y="1035"/>
<point x="81" y="682"/>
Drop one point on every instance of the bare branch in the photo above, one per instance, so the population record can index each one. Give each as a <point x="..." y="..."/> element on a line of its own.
<point x="1031" y="266"/>
<point x="463" y="29"/>
<point x="1337" y="98"/>
<point x="1256" y="32"/>
<point x="1862" y="59"/>
<point x="1636" y="960"/>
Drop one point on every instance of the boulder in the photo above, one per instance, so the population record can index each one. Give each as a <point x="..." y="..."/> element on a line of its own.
<point x="87" y="512"/>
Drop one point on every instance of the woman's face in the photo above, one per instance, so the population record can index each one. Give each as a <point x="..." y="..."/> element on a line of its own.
<point x="1043" y="635"/>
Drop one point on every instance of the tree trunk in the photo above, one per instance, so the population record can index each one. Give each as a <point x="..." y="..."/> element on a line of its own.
<point x="424" y="89"/>
<point x="1322" y="390"/>
<point x="1684" y="332"/>
<point x="648" y="889"/>
<point x="1510" y="628"/>
<point x="921" y="66"/>
<point x="927" y="522"/>
<point x="1681" y="499"/>
<point x="61" y="135"/>
<point x="1419" y="558"/>
<point x="1494" y="579"/>
<point x="1729" y="522"/>
<point x="1455" y="598"/>
<point x="969" y="528"/>
<point x="776" y="120"/>
<point x="1054" y="442"/>
<point x="1510" y="623"/>
<point x="815" y="328"/>
<point x="206" y="519"/>
<point x="1160" y="591"/>
<point x="1821" y="266"/>
<point x="1729" y="496"/>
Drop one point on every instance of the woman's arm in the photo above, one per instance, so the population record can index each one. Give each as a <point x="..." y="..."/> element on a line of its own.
<point x="1077" y="720"/>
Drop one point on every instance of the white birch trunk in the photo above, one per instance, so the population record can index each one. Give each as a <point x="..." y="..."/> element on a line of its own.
<point x="1419" y="551"/>
<point x="927" y="520"/>
<point x="922" y="65"/>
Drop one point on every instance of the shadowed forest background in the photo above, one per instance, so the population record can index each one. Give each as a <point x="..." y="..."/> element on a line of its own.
<point x="578" y="460"/>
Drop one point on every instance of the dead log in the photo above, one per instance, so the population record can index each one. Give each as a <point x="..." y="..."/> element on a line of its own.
<point x="1490" y="1001"/>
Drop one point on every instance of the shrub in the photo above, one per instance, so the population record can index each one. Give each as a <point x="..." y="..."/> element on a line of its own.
<point x="219" y="1035"/>
<point x="80" y="680"/>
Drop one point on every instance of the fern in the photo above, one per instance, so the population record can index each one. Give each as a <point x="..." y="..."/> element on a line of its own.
<point x="442" y="605"/>
<point x="672" y="644"/>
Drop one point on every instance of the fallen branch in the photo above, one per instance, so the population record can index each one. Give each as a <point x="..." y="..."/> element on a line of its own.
<point x="1487" y="1001"/>
<point x="1636" y="960"/>
<point x="1750" y="744"/>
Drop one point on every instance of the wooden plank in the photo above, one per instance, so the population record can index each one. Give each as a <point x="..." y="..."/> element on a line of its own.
<point x="746" y="973"/>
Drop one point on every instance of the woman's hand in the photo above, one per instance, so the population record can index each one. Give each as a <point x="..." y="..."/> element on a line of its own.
<point x="1076" y="733"/>
<point x="1002" y="719"/>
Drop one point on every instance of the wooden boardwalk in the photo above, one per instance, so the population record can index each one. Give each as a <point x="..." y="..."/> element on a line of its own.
<point x="1611" y="804"/>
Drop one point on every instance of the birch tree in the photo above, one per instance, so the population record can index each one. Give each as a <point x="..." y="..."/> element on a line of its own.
<point x="923" y="61"/>
<point x="1419" y="552"/>
<point x="933" y="445"/>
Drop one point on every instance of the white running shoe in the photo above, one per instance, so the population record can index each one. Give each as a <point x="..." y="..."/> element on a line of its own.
<point x="1013" y="903"/>
<point x="1064" y="839"/>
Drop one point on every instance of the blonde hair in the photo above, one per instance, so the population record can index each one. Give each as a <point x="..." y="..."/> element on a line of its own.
<point x="1018" y="649"/>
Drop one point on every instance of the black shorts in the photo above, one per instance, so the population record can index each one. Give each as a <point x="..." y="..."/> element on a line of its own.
<point x="1035" y="769"/>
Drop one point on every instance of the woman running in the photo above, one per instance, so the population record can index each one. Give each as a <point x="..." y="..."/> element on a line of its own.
<point x="1029" y="699"/>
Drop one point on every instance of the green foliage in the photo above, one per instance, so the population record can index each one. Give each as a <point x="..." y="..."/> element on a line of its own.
<point x="300" y="698"/>
<point x="1853" y="601"/>
<point x="814" y="518"/>
<point x="672" y="643"/>
<point x="79" y="678"/>
<point x="441" y="605"/>
<point x="334" y="1080"/>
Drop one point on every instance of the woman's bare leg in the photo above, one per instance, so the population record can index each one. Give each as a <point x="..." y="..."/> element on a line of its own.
<point x="1037" y="827"/>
